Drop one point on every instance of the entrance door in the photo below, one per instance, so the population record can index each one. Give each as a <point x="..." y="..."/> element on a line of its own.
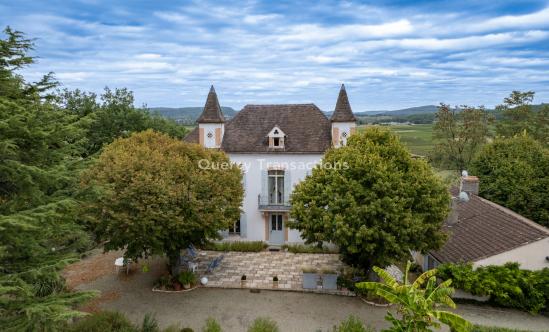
<point x="277" y="229"/>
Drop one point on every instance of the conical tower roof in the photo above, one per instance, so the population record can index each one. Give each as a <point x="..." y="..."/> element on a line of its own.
<point x="343" y="111"/>
<point x="212" y="111"/>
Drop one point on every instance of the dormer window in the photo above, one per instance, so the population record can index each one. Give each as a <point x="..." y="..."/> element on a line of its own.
<point x="276" y="138"/>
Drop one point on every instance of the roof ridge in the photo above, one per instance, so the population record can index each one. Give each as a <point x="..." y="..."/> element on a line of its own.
<point x="294" y="104"/>
<point x="515" y="215"/>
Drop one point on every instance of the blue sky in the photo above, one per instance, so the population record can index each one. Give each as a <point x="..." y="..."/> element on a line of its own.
<point x="389" y="54"/>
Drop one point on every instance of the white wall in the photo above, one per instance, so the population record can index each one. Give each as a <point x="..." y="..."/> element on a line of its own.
<point x="343" y="127"/>
<point x="210" y="128"/>
<point x="531" y="256"/>
<point x="253" y="165"/>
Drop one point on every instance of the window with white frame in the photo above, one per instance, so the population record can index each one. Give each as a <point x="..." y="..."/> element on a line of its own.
<point x="276" y="187"/>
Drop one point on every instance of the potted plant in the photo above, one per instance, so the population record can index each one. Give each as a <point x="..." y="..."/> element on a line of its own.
<point x="186" y="278"/>
<point x="275" y="282"/>
<point x="329" y="279"/>
<point x="310" y="278"/>
<point x="243" y="281"/>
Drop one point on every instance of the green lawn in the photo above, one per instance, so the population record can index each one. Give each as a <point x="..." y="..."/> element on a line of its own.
<point x="418" y="138"/>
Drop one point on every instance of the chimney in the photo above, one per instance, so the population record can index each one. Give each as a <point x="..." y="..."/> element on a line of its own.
<point x="453" y="216"/>
<point x="469" y="184"/>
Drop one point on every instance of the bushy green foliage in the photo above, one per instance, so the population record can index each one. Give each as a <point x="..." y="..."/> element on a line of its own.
<point x="459" y="134"/>
<point x="187" y="278"/>
<point x="211" y="326"/>
<point x="376" y="206"/>
<point x="514" y="172"/>
<point x="482" y="328"/>
<point x="154" y="198"/>
<point x="263" y="325"/>
<point x="242" y="246"/>
<point x="115" y="116"/>
<point x="149" y="324"/>
<point x="40" y="147"/>
<point x="519" y="117"/>
<point x="418" y="302"/>
<point x="507" y="285"/>
<point x="305" y="249"/>
<point x="352" y="324"/>
<point x="103" y="321"/>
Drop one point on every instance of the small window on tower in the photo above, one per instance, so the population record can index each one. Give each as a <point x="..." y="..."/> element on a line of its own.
<point x="344" y="134"/>
<point x="210" y="135"/>
<point x="276" y="141"/>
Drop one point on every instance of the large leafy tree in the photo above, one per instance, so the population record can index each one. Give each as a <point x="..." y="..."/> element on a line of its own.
<point x="156" y="197"/>
<point x="418" y="302"/>
<point x="374" y="201"/>
<point x="459" y="133"/>
<point x="519" y="116"/>
<point x="112" y="115"/>
<point x="514" y="172"/>
<point x="39" y="160"/>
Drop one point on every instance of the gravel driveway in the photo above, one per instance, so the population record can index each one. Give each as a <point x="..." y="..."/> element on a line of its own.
<point x="235" y="309"/>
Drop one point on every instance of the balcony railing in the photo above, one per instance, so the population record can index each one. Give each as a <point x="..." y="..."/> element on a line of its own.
<point x="266" y="203"/>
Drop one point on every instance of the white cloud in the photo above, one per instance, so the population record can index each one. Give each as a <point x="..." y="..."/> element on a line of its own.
<point x="260" y="18"/>
<point x="527" y="21"/>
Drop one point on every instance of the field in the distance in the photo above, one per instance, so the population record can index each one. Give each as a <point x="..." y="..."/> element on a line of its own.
<point x="418" y="138"/>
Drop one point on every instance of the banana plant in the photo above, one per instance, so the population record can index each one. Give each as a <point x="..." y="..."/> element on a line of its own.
<point x="418" y="302"/>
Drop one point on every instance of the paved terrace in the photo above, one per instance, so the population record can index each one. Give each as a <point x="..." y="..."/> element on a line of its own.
<point x="261" y="267"/>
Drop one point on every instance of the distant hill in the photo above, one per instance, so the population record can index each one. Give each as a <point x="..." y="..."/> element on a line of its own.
<point x="418" y="114"/>
<point x="188" y="114"/>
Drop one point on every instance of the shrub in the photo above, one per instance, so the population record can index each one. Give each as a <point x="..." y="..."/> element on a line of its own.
<point x="242" y="246"/>
<point x="480" y="328"/>
<point x="507" y="285"/>
<point x="352" y="324"/>
<point x="418" y="303"/>
<point x="263" y="325"/>
<point x="211" y="326"/>
<point x="305" y="249"/>
<point x="150" y="324"/>
<point x="104" y="321"/>
<point x="187" y="277"/>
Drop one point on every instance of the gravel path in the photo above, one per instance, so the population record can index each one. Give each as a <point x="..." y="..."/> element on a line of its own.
<point x="235" y="309"/>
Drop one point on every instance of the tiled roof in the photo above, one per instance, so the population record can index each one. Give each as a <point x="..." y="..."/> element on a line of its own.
<point x="485" y="229"/>
<point x="343" y="111"/>
<point x="307" y="129"/>
<point x="212" y="111"/>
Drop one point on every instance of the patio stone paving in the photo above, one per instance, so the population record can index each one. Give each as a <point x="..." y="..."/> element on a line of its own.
<point x="261" y="267"/>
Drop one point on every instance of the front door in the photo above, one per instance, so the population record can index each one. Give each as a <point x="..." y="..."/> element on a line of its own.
<point x="277" y="229"/>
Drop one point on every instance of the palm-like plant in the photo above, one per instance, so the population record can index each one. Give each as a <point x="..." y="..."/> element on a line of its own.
<point x="417" y="302"/>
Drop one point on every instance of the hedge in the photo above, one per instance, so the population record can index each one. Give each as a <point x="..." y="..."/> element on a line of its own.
<point x="507" y="285"/>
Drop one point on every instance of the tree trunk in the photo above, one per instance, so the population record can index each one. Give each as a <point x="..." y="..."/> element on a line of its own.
<point x="174" y="262"/>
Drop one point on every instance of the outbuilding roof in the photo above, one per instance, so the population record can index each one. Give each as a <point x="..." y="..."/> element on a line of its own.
<point x="484" y="229"/>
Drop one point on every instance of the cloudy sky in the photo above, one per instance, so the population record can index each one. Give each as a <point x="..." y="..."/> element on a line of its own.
<point x="389" y="54"/>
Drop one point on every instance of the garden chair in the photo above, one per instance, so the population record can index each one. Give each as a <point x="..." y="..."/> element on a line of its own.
<point x="121" y="262"/>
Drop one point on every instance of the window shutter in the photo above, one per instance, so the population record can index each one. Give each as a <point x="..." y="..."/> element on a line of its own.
<point x="287" y="186"/>
<point x="243" y="225"/>
<point x="264" y="186"/>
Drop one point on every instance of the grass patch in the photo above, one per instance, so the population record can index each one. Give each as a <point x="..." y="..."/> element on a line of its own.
<point x="242" y="246"/>
<point x="417" y="138"/>
<point x="304" y="249"/>
<point x="481" y="328"/>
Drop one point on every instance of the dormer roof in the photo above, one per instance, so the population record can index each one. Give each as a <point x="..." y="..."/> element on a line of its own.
<point x="343" y="111"/>
<point x="276" y="132"/>
<point x="212" y="111"/>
